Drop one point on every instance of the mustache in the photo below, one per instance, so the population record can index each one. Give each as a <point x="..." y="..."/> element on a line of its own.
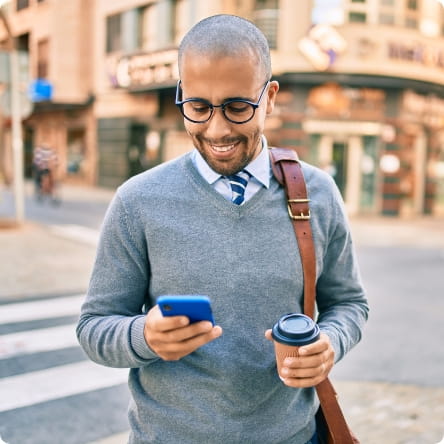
<point x="218" y="142"/>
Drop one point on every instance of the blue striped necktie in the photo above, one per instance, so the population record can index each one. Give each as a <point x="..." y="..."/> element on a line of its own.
<point x="238" y="184"/>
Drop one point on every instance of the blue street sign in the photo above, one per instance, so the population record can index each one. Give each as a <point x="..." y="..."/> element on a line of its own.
<point x="40" y="90"/>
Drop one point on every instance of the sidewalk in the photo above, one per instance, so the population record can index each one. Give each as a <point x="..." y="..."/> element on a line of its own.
<point x="40" y="259"/>
<point x="378" y="412"/>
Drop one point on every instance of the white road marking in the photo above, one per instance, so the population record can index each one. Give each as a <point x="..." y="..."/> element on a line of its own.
<point x="48" y="308"/>
<point x="39" y="340"/>
<point x="57" y="382"/>
<point x="78" y="233"/>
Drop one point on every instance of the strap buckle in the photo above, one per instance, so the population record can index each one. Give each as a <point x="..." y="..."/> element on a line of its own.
<point x="300" y="216"/>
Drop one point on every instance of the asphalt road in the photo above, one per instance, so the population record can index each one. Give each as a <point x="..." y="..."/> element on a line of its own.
<point x="402" y="342"/>
<point x="392" y="383"/>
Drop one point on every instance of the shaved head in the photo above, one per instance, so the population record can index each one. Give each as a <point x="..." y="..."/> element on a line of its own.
<point x="227" y="36"/>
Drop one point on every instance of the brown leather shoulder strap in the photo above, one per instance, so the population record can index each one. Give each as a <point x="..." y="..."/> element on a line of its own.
<point x="288" y="172"/>
<point x="338" y="429"/>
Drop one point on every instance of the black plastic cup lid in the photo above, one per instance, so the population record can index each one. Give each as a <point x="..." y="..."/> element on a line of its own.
<point x="295" y="329"/>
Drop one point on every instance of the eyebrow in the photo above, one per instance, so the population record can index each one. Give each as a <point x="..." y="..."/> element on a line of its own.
<point x="227" y="99"/>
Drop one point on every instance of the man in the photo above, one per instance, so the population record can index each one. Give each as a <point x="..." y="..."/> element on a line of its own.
<point x="44" y="162"/>
<point x="174" y="230"/>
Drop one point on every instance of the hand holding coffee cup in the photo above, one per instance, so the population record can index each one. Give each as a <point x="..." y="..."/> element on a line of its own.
<point x="291" y="332"/>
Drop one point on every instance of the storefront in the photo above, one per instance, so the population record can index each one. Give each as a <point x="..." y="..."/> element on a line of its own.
<point x="138" y="125"/>
<point x="383" y="146"/>
<point x="70" y="130"/>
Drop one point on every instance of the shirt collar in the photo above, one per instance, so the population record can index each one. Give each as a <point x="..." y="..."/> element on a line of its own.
<point x="259" y="168"/>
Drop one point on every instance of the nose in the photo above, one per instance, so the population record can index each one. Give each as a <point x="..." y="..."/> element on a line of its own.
<point x="218" y="126"/>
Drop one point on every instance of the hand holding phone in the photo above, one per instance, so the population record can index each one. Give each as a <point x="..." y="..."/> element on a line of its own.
<point x="195" y="307"/>
<point x="171" y="339"/>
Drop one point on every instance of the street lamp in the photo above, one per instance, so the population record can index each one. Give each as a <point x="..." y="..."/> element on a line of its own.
<point x="16" y="121"/>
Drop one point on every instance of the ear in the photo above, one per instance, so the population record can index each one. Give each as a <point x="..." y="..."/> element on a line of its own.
<point x="273" y="89"/>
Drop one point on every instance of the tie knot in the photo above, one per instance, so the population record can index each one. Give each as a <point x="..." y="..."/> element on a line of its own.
<point x="238" y="183"/>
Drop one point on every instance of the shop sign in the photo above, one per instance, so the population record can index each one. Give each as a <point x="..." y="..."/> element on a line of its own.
<point x="417" y="52"/>
<point x="142" y="70"/>
<point x="321" y="46"/>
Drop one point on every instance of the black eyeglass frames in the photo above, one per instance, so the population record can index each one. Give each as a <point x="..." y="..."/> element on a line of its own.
<point x="200" y="110"/>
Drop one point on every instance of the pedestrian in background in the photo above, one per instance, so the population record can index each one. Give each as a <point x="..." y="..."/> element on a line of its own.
<point x="178" y="229"/>
<point x="44" y="163"/>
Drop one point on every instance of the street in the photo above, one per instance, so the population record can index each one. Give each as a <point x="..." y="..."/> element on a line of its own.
<point x="50" y="392"/>
<point x="391" y="385"/>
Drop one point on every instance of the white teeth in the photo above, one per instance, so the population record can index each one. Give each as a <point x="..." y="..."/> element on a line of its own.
<point x="222" y="149"/>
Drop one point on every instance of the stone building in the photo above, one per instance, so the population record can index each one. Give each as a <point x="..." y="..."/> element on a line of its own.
<point x="362" y="89"/>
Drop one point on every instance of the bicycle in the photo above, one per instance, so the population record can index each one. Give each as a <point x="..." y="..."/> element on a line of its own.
<point x="46" y="187"/>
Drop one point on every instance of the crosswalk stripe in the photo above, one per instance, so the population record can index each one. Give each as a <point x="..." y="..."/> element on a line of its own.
<point x="77" y="233"/>
<point x="57" y="382"/>
<point x="47" y="308"/>
<point x="119" y="439"/>
<point x="31" y="386"/>
<point x="39" y="340"/>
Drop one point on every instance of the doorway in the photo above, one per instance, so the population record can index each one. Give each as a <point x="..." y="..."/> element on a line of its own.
<point x="340" y="165"/>
<point x="76" y="152"/>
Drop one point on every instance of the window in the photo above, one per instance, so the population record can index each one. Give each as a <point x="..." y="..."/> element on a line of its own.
<point x="357" y="17"/>
<point x="122" y="31"/>
<point x="177" y="25"/>
<point x="22" y="4"/>
<point x="266" y="18"/>
<point x="411" y="23"/>
<point x="386" y="19"/>
<point x="442" y="20"/>
<point x="42" y="59"/>
<point x="113" y="33"/>
<point x="162" y="25"/>
<point x="328" y="12"/>
<point x="147" y="30"/>
<point x="411" y="14"/>
<point x="22" y="42"/>
<point x="412" y="5"/>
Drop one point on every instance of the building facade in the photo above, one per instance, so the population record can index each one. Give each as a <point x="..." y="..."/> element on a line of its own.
<point x="362" y="89"/>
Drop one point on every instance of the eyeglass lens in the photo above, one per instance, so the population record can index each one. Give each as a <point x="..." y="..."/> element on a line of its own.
<point x="200" y="111"/>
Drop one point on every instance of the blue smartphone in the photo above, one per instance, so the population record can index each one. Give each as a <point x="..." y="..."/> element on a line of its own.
<point x="195" y="307"/>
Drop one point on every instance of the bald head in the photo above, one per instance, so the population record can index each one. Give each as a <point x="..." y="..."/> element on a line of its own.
<point x="227" y="36"/>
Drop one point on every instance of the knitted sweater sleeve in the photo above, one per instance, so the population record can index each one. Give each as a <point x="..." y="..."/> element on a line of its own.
<point x="340" y="295"/>
<point x="110" y="328"/>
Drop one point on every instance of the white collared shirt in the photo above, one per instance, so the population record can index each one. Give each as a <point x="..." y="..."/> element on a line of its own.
<point x="259" y="169"/>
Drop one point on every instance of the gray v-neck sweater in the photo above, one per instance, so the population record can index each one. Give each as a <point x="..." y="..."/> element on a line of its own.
<point x="168" y="231"/>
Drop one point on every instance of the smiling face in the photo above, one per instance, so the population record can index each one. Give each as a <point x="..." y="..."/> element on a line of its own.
<point x="227" y="147"/>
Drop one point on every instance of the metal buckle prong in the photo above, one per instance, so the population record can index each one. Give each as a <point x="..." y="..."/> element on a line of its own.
<point x="300" y="216"/>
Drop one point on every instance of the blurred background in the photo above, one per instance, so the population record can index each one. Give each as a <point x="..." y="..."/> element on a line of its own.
<point x="361" y="96"/>
<point x="362" y="90"/>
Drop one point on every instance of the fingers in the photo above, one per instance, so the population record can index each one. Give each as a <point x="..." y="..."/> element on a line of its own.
<point x="302" y="375"/>
<point x="172" y="347"/>
<point x="172" y="338"/>
<point x="312" y="365"/>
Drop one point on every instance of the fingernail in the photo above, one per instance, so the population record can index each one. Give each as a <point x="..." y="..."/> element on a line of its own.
<point x="217" y="331"/>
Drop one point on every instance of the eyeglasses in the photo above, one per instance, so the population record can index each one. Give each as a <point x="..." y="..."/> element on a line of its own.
<point x="200" y="110"/>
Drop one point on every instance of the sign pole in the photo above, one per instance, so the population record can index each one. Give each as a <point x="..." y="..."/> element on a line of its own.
<point x="17" y="140"/>
<point x="16" y="125"/>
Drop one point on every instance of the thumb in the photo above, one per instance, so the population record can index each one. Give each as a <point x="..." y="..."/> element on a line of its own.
<point x="268" y="335"/>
